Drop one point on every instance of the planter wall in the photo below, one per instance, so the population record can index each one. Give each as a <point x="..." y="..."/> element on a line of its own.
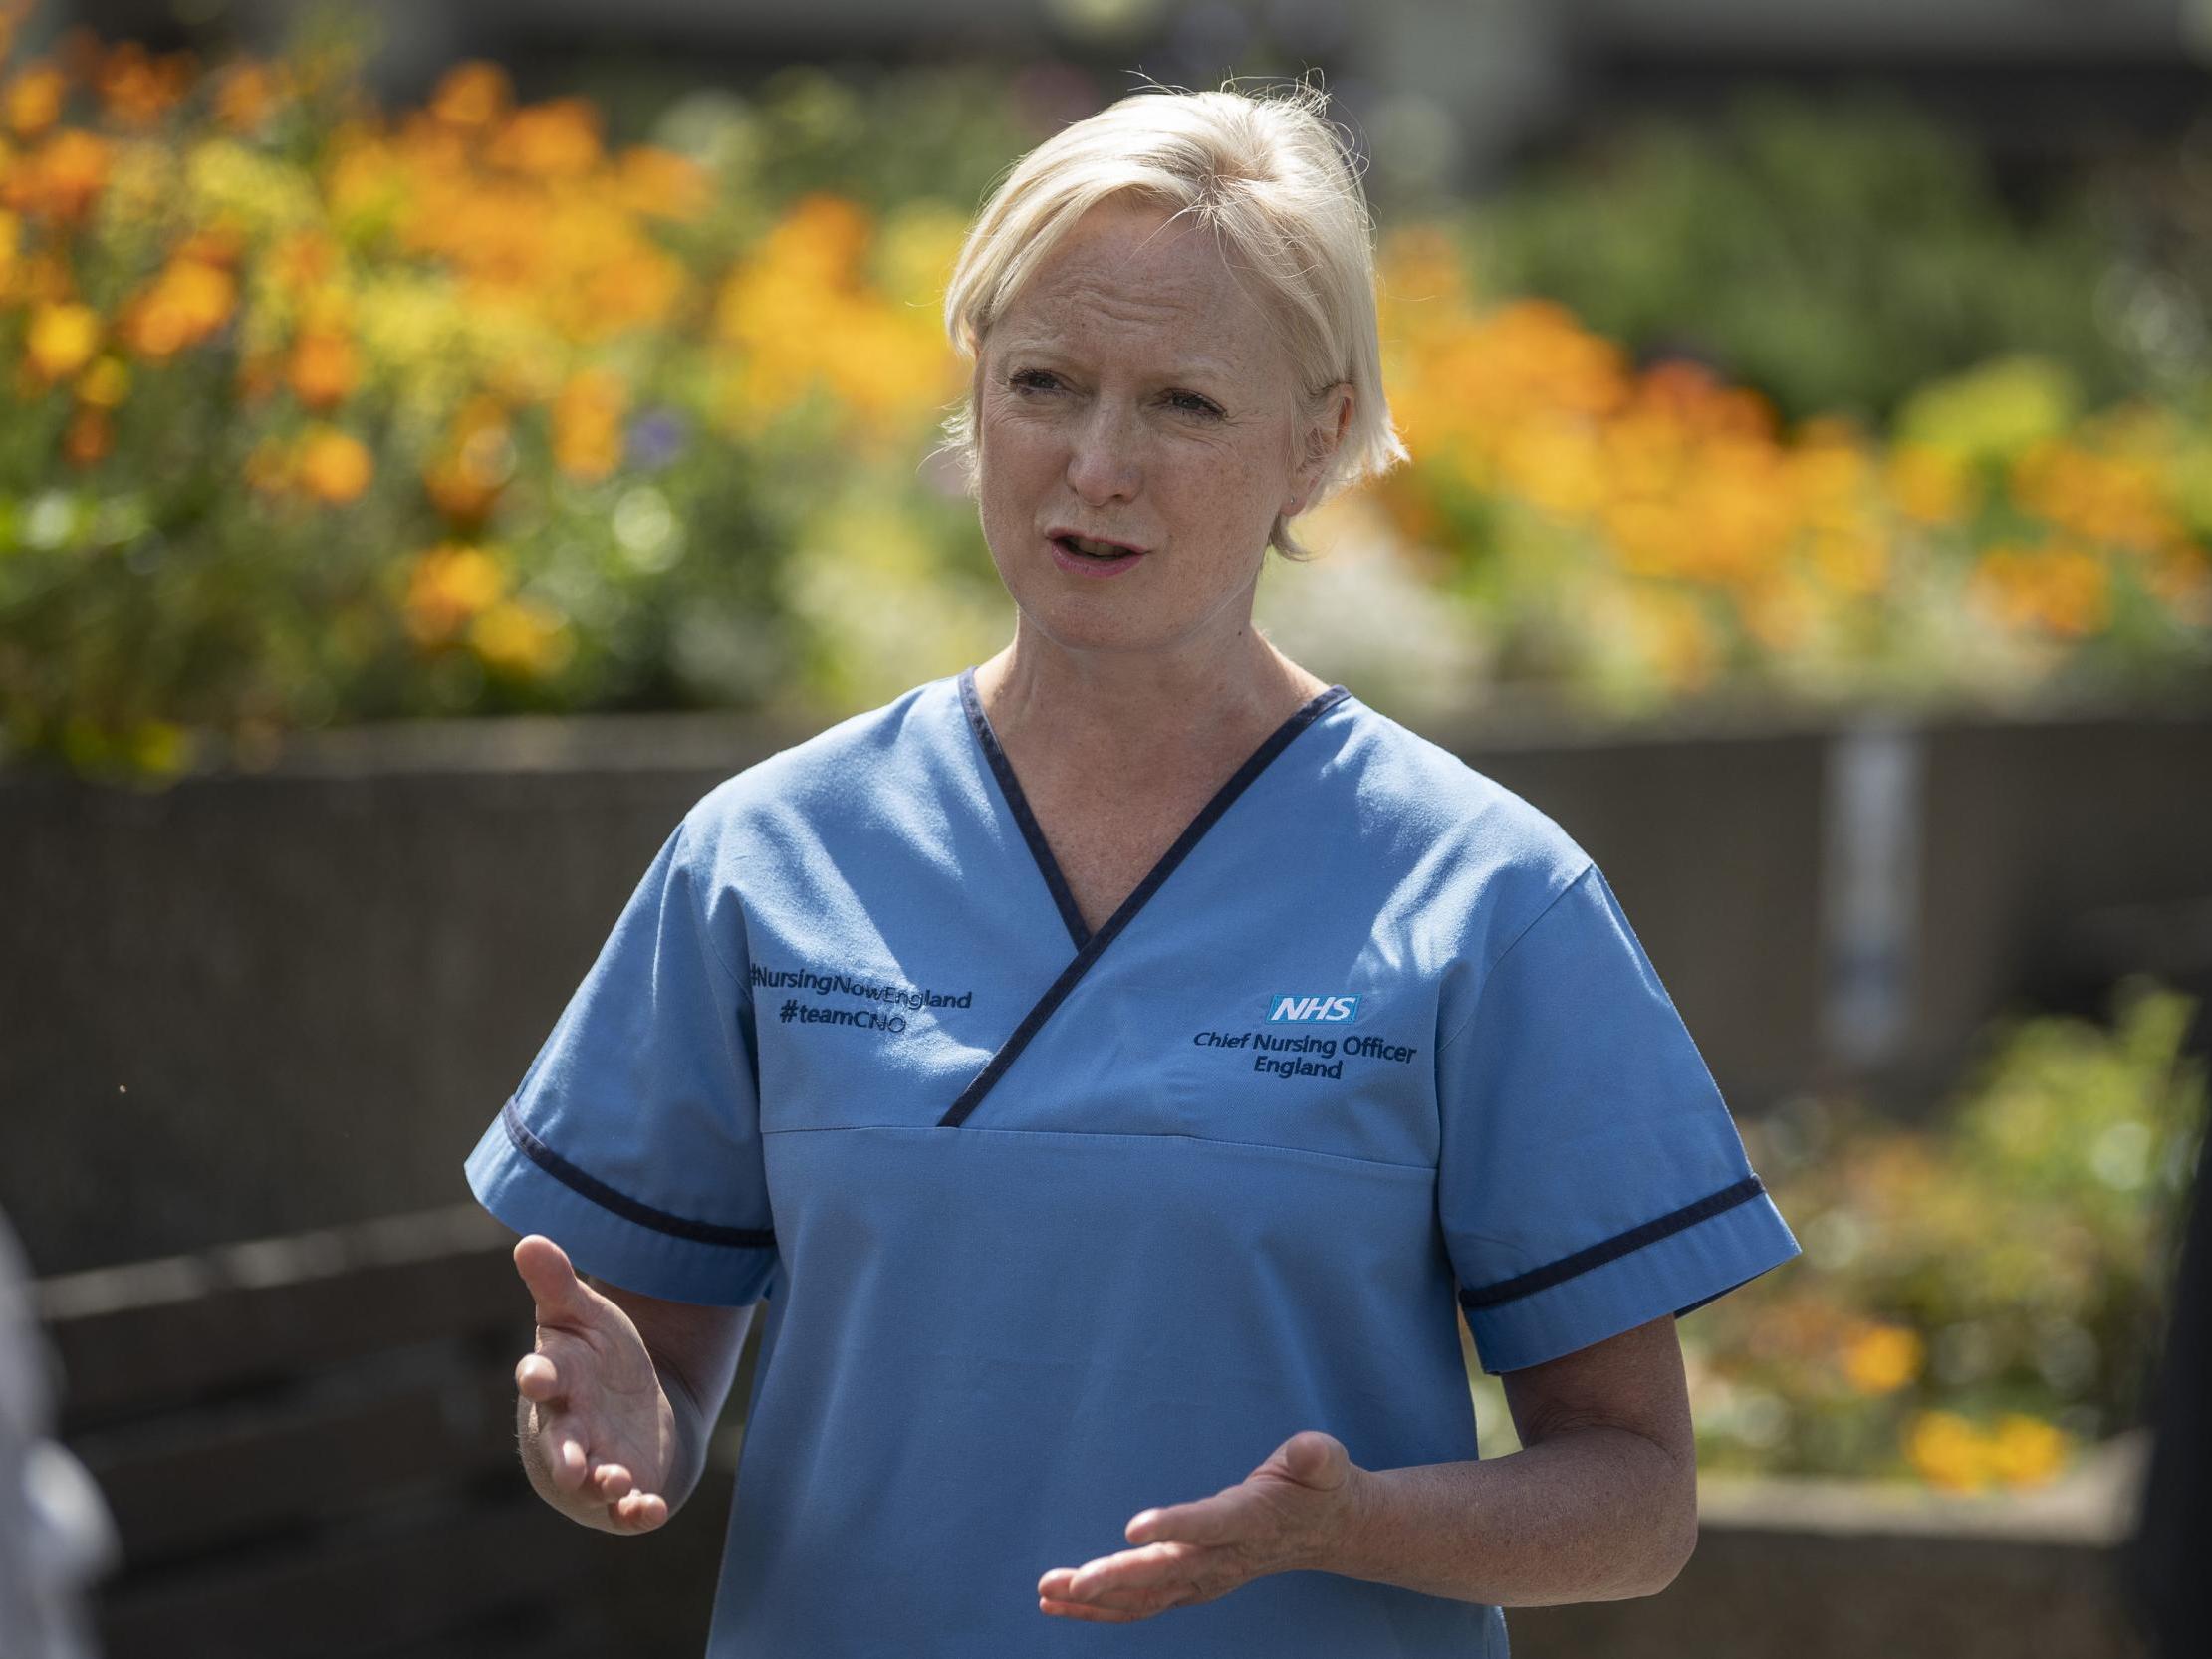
<point x="307" y="1445"/>
<point x="259" y="1002"/>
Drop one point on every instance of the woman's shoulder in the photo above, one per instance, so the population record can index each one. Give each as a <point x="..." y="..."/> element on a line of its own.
<point x="848" y="770"/>
<point x="1413" y="794"/>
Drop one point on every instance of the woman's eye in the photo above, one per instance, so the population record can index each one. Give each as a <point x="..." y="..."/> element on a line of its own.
<point x="1192" y="403"/>
<point x="1027" y="379"/>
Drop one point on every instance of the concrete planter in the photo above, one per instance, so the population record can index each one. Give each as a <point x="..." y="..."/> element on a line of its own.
<point x="261" y="1001"/>
<point x="243" y="1408"/>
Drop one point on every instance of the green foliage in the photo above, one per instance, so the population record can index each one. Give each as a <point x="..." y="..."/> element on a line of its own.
<point x="1979" y="1296"/>
<point x="1833" y="255"/>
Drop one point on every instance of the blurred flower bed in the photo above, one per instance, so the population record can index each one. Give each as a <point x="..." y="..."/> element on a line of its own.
<point x="1979" y="1299"/>
<point x="322" y="415"/>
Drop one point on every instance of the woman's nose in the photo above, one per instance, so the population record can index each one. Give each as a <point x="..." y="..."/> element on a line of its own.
<point x="1102" y="458"/>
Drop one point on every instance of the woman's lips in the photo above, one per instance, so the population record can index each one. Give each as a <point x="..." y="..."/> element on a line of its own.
<point x="1083" y="563"/>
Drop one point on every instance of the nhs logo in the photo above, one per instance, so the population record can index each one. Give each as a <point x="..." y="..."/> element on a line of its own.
<point x="1333" y="1011"/>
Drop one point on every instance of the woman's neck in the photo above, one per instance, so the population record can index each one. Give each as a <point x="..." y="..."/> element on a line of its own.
<point x="1129" y="716"/>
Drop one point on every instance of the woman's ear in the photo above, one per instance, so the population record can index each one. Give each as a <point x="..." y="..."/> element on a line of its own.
<point x="1319" y="439"/>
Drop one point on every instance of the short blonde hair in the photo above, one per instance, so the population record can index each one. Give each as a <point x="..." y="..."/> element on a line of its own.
<point x="1276" y="184"/>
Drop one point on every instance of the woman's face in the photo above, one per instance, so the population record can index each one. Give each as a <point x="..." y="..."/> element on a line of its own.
<point x="1132" y="393"/>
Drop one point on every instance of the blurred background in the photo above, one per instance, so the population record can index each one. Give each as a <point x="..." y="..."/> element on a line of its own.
<point x="441" y="442"/>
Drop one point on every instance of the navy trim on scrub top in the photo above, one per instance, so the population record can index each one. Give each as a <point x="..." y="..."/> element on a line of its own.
<point x="1090" y="949"/>
<point x="628" y="1208"/>
<point x="1018" y="803"/>
<point x="1620" y="1244"/>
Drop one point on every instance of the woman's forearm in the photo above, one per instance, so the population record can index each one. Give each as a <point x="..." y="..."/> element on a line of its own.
<point x="1593" y="1514"/>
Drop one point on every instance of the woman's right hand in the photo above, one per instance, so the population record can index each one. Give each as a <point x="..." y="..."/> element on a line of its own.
<point x="599" y="1435"/>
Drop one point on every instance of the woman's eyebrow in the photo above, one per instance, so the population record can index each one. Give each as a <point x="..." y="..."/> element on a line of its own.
<point x="1201" y="367"/>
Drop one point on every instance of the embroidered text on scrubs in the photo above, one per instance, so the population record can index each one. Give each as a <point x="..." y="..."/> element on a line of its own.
<point x="874" y="991"/>
<point x="1363" y="1047"/>
<point x="868" y="1019"/>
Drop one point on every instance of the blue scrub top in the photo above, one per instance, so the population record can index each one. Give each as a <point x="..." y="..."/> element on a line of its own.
<point x="1057" y="1226"/>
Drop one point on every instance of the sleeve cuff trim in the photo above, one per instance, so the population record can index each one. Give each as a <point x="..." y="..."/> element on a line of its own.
<point x="1620" y="1244"/>
<point x="622" y="1203"/>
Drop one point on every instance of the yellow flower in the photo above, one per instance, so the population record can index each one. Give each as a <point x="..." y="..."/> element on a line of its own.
<point x="1948" y="1451"/>
<point x="518" y="637"/>
<point x="61" y="339"/>
<point x="2025" y="1450"/>
<point x="334" y="466"/>
<point x="1883" y="1359"/>
<point x="104" y="384"/>
<point x="1929" y="484"/>
<point x="450" y="583"/>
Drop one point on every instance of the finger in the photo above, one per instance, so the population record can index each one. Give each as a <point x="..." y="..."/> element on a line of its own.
<point x="562" y="1297"/>
<point x="1120" y="1580"/>
<point x="640" y="1510"/>
<point x="537" y="1378"/>
<point x="613" y="1481"/>
<point x="568" y="1463"/>
<point x="1087" y="1613"/>
<point x="1208" y="1520"/>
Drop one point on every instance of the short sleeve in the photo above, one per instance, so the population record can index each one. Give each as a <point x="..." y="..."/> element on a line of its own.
<point x="1591" y="1178"/>
<point x="634" y="1138"/>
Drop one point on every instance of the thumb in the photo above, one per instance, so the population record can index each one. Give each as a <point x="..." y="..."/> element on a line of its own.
<point x="562" y="1297"/>
<point x="1315" y="1458"/>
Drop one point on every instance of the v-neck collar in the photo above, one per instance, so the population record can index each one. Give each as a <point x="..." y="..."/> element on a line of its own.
<point x="1091" y="945"/>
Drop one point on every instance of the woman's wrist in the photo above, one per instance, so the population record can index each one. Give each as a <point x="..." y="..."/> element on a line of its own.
<point x="1587" y="1515"/>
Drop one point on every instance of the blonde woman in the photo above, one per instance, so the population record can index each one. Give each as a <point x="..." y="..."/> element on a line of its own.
<point x="1111" y="1063"/>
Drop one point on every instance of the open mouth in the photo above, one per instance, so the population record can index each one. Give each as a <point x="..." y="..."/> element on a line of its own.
<point x="1105" y="552"/>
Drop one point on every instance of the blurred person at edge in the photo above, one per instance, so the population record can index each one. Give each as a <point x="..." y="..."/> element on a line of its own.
<point x="1108" y="1065"/>
<point x="2167" y="1557"/>
<point x="55" y="1534"/>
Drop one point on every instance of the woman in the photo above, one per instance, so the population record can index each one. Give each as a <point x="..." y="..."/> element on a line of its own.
<point x="1117" y="1059"/>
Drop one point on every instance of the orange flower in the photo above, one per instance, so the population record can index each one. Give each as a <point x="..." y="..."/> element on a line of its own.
<point x="59" y="181"/>
<point x="588" y="424"/>
<point x="88" y="435"/>
<point x="559" y="138"/>
<point x="466" y="479"/>
<point x="181" y="307"/>
<point x="2057" y="588"/>
<point x="324" y="369"/>
<point x="472" y="94"/>
<point x="449" y="585"/>
<point x="33" y="100"/>
<point x="245" y="96"/>
<point x="61" y="339"/>
<point x="301" y="260"/>
<point x="334" y="466"/>
<point x="138" y="89"/>
<point x="662" y="184"/>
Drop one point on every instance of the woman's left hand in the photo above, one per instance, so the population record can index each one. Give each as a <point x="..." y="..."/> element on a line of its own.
<point x="1286" y="1516"/>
